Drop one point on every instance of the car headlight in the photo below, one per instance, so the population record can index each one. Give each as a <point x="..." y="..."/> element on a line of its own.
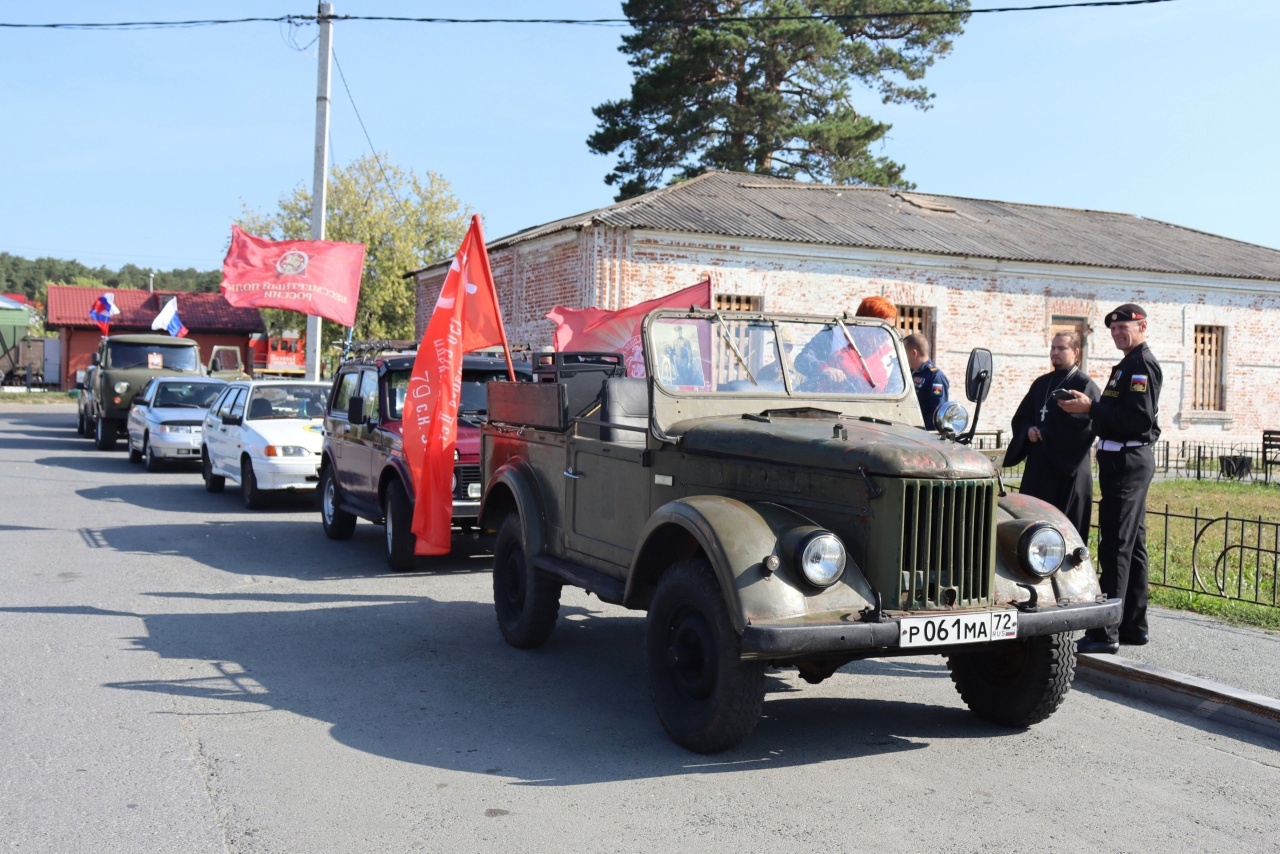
<point x="175" y="428"/>
<point x="121" y="387"/>
<point x="286" y="451"/>
<point x="1042" y="550"/>
<point x="951" y="419"/>
<point x="820" y="557"/>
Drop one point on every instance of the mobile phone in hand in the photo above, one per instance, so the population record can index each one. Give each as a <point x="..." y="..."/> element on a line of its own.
<point x="1062" y="394"/>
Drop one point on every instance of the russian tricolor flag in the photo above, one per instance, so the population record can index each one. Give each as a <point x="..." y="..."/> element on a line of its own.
<point x="104" y="308"/>
<point x="168" y="320"/>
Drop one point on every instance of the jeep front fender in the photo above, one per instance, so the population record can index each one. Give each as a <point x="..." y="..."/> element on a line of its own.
<point x="736" y="537"/>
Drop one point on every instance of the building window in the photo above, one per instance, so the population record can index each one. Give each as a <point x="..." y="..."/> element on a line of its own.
<point x="1081" y="330"/>
<point x="1207" y="394"/>
<point x="737" y="302"/>
<point x="917" y="318"/>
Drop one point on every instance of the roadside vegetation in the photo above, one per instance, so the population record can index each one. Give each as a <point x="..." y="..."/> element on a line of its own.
<point x="41" y="397"/>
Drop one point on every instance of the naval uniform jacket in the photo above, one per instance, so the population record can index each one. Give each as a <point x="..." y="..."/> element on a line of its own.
<point x="932" y="390"/>
<point x="1130" y="401"/>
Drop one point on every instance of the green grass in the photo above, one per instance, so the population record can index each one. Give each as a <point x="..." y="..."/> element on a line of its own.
<point x="1251" y="541"/>
<point x="46" y="397"/>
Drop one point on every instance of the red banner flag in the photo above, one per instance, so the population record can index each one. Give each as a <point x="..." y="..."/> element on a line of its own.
<point x="619" y="331"/>
<point x="466" y="318"/>
<point x="316" y="277"/>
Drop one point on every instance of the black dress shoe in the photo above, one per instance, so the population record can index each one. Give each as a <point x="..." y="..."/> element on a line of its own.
<point x="1093" y="645"/>
<point x="1134" y="640"/>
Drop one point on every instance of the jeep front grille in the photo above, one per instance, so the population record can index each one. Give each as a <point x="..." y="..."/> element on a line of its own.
<point x="466" y="475"/>
<point x="948" y="543"/>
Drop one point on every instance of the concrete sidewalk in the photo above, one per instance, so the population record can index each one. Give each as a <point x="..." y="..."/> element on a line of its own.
<point x="1219" y="671"/>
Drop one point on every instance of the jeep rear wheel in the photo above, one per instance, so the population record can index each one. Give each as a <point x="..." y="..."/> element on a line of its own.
<point x="104" y="434"/>
<point x="525" y="599"/>
<point x="212" y="482"/>
<point x="80" y="422"/>
<point x="397" y="514"/>
<point x="707" y="697"/>
<point x="1015" y="683"/>
<point x="338" y="524"/>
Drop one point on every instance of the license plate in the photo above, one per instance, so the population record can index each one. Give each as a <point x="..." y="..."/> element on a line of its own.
<point x="948" y="629"/>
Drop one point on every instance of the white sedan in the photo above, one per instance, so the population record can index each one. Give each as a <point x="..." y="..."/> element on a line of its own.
<point x="266" y="435"/>
<point x="166" y="417"/>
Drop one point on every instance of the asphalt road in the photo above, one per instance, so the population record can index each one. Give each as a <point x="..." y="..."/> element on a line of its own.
<point x="182" y="675"/>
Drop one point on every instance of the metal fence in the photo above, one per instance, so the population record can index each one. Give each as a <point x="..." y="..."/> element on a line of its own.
<point x="1198" y="460"/>
<point x="1226" y="556"/>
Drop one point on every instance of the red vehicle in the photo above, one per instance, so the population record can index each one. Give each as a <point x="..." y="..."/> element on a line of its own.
<point x="281" y="355"/>
<point x="363" y="471"/>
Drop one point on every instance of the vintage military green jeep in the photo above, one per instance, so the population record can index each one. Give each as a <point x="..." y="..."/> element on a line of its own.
<point x="768" y="496"/>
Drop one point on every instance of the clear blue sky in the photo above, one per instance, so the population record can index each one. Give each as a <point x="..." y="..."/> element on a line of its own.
<point x="142" y="147"/>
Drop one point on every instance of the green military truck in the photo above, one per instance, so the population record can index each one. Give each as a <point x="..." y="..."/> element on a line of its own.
<point x="767" y="497"/>
<point x="121" y="367"/>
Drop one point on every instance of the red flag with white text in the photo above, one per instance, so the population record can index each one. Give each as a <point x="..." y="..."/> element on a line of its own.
<point x="317" y="277"/>
<point x="466" y="317"/>
<point x="618" y="331"/>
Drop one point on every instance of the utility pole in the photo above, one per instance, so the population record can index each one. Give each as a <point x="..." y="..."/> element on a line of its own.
<point x="319" y="180"/>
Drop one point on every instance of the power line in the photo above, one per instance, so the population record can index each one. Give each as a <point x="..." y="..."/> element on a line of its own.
<point x="673" y="21"/>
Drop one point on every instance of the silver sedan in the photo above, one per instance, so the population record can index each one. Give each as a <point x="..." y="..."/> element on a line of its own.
<point x="166" y="417"/>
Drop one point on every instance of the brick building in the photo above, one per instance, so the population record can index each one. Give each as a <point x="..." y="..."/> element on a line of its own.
<point x="210" y="319"/>
<point x="966" y="272"/>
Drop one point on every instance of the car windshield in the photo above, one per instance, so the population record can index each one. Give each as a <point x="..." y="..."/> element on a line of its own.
<point x="195" y="395"/>
<point x="124" y="354"/>
<point x="724" y="354"/>
<point x="287" y="400"/>
<point x="473" y="400"/>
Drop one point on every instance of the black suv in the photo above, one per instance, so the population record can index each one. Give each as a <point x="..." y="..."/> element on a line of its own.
<point x="363" y="470"/>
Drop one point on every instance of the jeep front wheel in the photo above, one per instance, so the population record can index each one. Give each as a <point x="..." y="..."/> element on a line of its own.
<point x="707" y="697"/>
<point x="1015" y="683"/>
<point x="338" y="524"/>
<point x="525" y="599"/>
<point x="397" y="514"/>
<point x="104" y="434"/>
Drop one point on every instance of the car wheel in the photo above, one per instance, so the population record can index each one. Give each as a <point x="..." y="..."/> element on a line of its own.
<point x="707" y="697"/>
<point x="254" y="498"/>
<point x="338" y="523"/>
<point x="104" y="434"/>
<point x="80" y="421"/>
<point x="135" y="456"/>
<point x="154" y="463"/>
<point x="525" y="599"/>
<point x="212" y="482"/>
<point x="89" y="427"/>
<point x="397" y="514"/>
<point x="1015" y="683"/>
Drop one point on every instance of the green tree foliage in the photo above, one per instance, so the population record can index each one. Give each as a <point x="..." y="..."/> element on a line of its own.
<point x="749" y="92"/>
<point x="23" y="276"/>
<point x="405" y="222"/>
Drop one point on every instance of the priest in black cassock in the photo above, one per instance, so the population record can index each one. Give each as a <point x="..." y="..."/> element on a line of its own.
<point x="1054" y="443"/>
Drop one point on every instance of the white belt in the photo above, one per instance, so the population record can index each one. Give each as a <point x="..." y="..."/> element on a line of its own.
<point x="1110" y="445"/>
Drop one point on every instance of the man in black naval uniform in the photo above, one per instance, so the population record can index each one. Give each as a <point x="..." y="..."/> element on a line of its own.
<point x="1055" y="443"/>
<point x="932" y="388"/>
<point x="1125" y="421"/>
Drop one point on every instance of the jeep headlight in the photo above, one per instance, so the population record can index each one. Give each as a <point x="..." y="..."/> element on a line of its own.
<point x="1042" y="550"/>
<point x="121" y="387"/>
<point x="820" y="558"/>
<point x="951" y="419"/>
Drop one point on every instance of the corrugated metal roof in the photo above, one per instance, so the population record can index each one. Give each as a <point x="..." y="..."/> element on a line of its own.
<point x="69" y="306"/>
<point x="766" y="208"/>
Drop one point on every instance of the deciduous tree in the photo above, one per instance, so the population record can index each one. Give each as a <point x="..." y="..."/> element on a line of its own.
<point x="768" y="86"/>
<point x="405" y="222"/>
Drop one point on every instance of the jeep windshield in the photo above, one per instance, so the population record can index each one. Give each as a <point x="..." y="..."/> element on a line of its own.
<point x="124" y="354"/>
<point x="725" y="353"/>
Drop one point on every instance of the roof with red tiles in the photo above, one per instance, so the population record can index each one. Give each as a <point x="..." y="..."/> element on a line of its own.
<point x="69" y="306"/>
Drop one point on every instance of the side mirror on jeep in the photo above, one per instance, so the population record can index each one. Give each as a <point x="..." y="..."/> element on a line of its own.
<point x="96" y="359"/>
<point x="355" y="410"/>
<point x="977" y="376"/>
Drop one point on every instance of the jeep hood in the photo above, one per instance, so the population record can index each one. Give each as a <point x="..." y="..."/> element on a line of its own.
<point x="893" y="450"/>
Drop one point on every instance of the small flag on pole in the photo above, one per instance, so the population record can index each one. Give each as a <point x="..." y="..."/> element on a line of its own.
<point x="104" y="308"/>
<point x="168" y="320"/>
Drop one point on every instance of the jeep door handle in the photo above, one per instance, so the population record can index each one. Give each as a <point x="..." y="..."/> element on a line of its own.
<point x="570" y="473"/>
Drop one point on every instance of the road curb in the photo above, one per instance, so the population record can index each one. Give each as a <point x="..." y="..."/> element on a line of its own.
<point x="1209" y="700"/>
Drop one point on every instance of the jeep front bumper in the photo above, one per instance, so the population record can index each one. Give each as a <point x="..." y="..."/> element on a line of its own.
<point x="803" y="639"/>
